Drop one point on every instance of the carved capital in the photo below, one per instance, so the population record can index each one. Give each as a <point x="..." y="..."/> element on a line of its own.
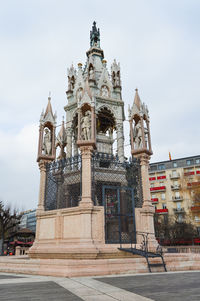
<point x="86" y="150"/>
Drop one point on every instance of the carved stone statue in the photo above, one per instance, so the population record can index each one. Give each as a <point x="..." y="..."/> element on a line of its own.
<point x="91" y="73"/>
<point x="47" y="142"/>
<point x="137" y="136"/>
<point x="104" y="91"/>
<point x="71" y="83"/>
<point x="86" y="126"/>
<point x="79" y="94"/>
<point x="117" y="80"/>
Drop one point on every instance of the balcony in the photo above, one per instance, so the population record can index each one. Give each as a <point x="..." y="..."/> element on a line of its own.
<point x="177" y="198"/>
<point x="161" y="177"/>
<point x="175" y="176"/>
<point x="193" y="184"/>
<point x="179" y="210"/>
<point x="152" y="178"/>
<point x="189" y="173"/>
<point x="175" y="187"/>
<point x="162" y="211"/>
<point x="154" y="201"/>
<point x="158" y="189"/>
<point x="195" y="208"/>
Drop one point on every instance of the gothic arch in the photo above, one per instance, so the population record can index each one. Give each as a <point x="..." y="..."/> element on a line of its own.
<point x="106" y="120"/>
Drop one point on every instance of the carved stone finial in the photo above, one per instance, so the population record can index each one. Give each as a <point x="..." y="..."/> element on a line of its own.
<point x="94" y="36"/>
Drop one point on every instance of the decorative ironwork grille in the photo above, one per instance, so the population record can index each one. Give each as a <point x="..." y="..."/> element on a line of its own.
<point x="108" y="170"/>
<point x="117" y="186"/>
<point x="63" y="183"/>
<point x="119" y="214"/>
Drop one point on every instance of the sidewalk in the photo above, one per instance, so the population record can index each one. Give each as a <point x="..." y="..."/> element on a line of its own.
<point x="177" y="286"/>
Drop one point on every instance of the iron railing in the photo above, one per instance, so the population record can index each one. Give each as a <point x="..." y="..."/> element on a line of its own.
<point x="63" y="183"/>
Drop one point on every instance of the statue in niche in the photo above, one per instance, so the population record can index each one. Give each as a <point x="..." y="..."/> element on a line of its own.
<point x="86" y="126"/>
<point x="117" y="80"/>
<point x="71" y="83"/>
<point x="47" y="142"/>
<point x="104" y="91"/>
<point x="137" y="136"/>
<point x="79" y="94"/>
<point x="91" y="73"/>
<point x="146" y="133"/>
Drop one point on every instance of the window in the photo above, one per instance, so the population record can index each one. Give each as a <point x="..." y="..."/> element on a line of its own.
<point x="153" y="168"/>
<point x="162" y="196"/>
<point x="153" y="196"/>
<point x="180" y="218"/>
<point x="174" y="173"/>
<point x="178" y="206"/>
<point x="197" y="161"/>
<point x="175" y="183"/>
<point x="174" y="164"/>
<point x="164" y="206"/>
<point x="152" y="185"/>
<point x="177" y="195"/>
<point x="198" y="230"/>
<point x="197" y="218"/>
<point x="161" y="166"/>
<point x="188" y="162"/>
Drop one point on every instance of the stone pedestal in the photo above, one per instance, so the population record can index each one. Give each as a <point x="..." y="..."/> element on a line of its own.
<point x="145" y="215"/>
<point x="86" y="200"/>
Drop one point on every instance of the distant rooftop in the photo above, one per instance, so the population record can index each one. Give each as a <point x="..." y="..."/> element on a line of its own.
<point x="176" y="163"/>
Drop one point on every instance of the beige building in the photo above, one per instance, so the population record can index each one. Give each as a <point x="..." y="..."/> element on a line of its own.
<point x="172" y="185"/>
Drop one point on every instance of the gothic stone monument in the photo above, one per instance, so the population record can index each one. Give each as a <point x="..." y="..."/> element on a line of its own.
<point x="91" y="197"/>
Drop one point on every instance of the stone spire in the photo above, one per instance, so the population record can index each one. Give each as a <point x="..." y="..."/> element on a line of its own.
<point x="48" y="115"/>
<point x="140" y="134"/>
<point x="137" y="100"/>
<point x="46" y="145"/>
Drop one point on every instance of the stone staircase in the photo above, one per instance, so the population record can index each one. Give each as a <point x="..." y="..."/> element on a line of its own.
<point x="96" y="267"/>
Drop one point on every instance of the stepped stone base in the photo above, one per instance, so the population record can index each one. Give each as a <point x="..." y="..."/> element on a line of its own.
<point x="95" y="267"/>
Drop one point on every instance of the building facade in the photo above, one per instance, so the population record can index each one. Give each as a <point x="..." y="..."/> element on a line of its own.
<point x="28" y="220"/>
<point x="173" y="186"/>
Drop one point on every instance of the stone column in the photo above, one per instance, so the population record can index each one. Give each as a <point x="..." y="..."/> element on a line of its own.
<point x="149" y="136"/>
<point x="86" y="200"/>
<point x="143" y="138"/>
<point x="120" y="142"/>
<point x="69" y="142"/>
<point x="148" y="210"/>
<point x="75" y="148"/>
<point x="92" y="123"/>
<point x="131" y="134"/>
<point x="42" y="168"/>
<point x="41" y="130"/>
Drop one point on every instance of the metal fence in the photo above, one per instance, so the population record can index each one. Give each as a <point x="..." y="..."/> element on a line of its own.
<point x="108" y="170"/>
<point x="63" y="180"/>
<point x="63" y="183"/>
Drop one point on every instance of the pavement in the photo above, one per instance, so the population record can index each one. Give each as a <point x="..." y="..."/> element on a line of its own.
<point x="177" y="286"/>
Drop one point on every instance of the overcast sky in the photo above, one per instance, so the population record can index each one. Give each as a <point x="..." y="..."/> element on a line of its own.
<point x="157" y="43"/>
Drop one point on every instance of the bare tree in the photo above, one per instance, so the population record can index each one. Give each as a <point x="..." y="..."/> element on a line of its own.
<point x="169" y="231"/>
<point x="9" y="220"/>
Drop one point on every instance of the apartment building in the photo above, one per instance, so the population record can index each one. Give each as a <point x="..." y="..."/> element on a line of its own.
<point x="28" y="220"/>
<point x="173" y="184"/>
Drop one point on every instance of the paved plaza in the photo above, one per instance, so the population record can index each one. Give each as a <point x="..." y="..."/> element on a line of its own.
<point x="175" y="286"/>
